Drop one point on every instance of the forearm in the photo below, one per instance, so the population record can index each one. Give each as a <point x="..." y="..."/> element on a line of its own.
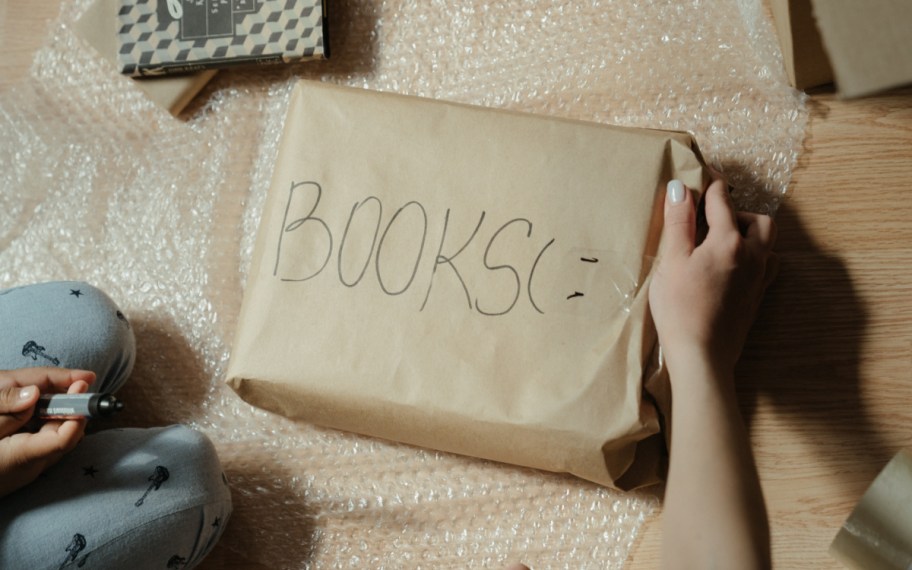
<point x="714" y="511"/>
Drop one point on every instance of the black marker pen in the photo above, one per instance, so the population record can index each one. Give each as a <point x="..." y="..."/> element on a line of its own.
<point x="74" y="406"/>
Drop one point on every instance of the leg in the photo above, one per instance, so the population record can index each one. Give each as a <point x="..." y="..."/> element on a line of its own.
<point x="125" y="498"/>
<point x="68" y="324"/>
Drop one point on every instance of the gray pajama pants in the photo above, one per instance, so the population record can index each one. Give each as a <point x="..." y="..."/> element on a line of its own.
<point x="124" y="498"/>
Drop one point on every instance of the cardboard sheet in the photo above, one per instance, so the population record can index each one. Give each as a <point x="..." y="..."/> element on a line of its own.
<point x="878" y="534"/>
<point x="863" y="45"/>
<point x="868" y="43"/>
<point x="459" y="278"/>
<point x="806" y="62"/>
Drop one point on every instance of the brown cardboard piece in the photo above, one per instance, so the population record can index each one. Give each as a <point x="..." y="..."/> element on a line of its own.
<point x="878" y="533"/>
<point x="863" y="45"/>
<point x="868" y="43"/>
<point x="462" y="279"/>
<point x="806" y="62"/>
<point x="98" y="25"/>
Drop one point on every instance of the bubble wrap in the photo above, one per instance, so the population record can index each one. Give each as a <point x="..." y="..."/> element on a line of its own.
<point x="99" y="184"/>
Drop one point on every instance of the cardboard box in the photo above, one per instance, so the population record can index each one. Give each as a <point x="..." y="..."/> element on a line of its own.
<point x="161" y="37"/>
<point x="864" y="46"/>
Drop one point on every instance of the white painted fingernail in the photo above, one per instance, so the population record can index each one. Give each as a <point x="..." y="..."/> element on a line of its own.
<point x="27" y="393"/>
<point x="675" y="191"/>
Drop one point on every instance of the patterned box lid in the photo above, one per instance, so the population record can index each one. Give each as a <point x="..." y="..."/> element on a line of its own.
<point x="156" y="37"/>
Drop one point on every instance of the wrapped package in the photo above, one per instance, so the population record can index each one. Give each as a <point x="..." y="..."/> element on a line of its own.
<point x="463" y="279"/>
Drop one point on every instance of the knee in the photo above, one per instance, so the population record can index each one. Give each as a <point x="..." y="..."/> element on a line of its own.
<point x="69" y="324"/>
<point x="126" y="498"/>
<point x="106" y="340"/>
<point x="195" y="518"/>
<point x="183" y="461"/>
<point x="190" y="525"/>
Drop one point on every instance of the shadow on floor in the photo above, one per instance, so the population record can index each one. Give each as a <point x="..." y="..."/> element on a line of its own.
<point x="804" y="351"/>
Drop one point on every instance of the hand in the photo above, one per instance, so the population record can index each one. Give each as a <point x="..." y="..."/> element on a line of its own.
<point x="24" y="455"/>
<point x="704" y="298"/>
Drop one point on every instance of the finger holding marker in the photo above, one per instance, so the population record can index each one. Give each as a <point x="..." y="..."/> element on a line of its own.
<point x="56" y="437"/>
<point x="20" y="390"/>
<point x="17" y="404"/>
<point x="53" y="439"/>
<point x="24" y="455"/>
<point x="46" y="379"/>
<point x="74" y="406"/>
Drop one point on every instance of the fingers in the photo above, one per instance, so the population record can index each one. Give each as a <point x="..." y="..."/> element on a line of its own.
<point x="78" y="387"/>
<point x="54" y="439"/>
<point x="758" y="229"/>
<point x="17" y="404"/>
<point x="24" y="456"/>
<point x="20" y="390"/>
<point x="680" y="220"/>
<point x="45" y="447"/>
<point x="759" y="232"/>
<point x="47" y="379"/>
<point x="720" y="214"/>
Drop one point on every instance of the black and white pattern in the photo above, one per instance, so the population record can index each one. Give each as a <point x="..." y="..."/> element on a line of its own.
<point x="156" y="36"/>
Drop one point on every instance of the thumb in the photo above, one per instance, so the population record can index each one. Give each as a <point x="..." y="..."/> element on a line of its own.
<point x="680" y="219"/>
<point x="17" y="405"/>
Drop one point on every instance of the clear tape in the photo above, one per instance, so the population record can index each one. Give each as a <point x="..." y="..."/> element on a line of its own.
<point x="599" y="276"/>
<point x="101" y="185"/>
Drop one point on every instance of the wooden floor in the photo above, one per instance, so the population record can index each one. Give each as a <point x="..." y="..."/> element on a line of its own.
<point x="826" y="379"/>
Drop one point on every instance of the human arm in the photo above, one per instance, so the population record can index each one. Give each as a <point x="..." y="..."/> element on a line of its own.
<point x="704" y="299"/>
<point x="25" y="455"/>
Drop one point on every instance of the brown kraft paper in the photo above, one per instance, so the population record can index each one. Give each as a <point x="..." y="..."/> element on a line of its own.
<point x="462" y="279"/>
